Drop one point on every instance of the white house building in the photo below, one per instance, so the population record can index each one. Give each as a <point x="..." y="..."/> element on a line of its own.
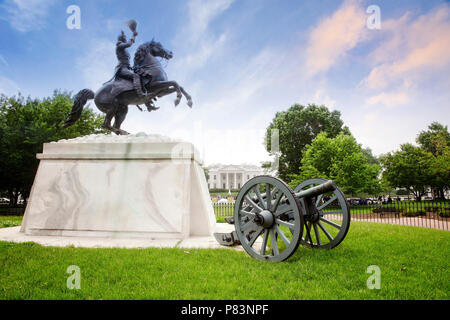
<point x="231" y="176"/>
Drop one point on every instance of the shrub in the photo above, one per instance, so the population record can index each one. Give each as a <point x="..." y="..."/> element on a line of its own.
<point x="386" y="209"/>
<point x="413" y="213"/>
<point x="444" y="212"/>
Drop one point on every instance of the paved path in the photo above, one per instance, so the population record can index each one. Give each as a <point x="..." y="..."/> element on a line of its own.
<point x="410" y="221"/>
<point x="405" y="221"/>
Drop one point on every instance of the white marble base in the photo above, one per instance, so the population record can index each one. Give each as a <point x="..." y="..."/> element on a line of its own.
<point x="13" y="234"/>
<point x="135" y="186"/>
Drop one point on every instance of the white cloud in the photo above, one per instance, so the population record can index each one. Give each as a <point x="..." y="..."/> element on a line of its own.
<point x="3" y="60"/>
<point x="335" y="36"/>
<point x="8" y="87"/>
<point x="416" y="50"/>
<point x="201" y="13"/>
<point x="389" y="98"/>
<point x="320" y="97"/>
<point x="27" y="15"/>
<point x="195" y="43"/>
<point x="97" y="63"/>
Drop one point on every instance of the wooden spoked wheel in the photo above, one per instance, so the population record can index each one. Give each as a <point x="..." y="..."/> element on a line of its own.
<point x="268" y="219"/>
<point x="328" y="220"/>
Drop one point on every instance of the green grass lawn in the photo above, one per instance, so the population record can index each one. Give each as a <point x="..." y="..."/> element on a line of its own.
<point x="414" y="264"/>
<point x="10" y="221"/>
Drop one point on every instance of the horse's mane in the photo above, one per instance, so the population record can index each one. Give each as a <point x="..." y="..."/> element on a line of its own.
<point x="142" y="51"/>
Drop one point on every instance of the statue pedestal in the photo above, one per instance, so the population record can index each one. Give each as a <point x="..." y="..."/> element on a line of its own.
<point x="145" y="186"/>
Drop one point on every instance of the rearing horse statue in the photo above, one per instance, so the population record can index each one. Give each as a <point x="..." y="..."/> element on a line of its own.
<point x="115" y="95"/>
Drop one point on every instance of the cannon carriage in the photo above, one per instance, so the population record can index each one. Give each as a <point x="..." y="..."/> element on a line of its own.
<point x="271" y="220"/>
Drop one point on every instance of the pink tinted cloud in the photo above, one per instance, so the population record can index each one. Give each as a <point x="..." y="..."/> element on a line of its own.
<point x="334" y="36"/>
<point x="414" y="49"/>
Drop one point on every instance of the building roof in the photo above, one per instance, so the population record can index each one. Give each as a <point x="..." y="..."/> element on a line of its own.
<point x="234" y="167"/>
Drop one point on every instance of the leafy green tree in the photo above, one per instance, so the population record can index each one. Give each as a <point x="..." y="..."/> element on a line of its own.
<point x="25" y="124"/>
<point x="409" y="168"/>
<point x="298" y="126"/>
<point x="440" y="170"/>
<point x="436" y="140"/>
<point x="341" y="159"/>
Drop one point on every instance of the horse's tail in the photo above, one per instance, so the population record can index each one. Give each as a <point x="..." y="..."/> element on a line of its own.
<point x="79" y="101"/>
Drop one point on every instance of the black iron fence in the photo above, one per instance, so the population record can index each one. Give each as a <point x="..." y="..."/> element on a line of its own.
<point x="426" y="214"/>
<point x="6" y="210"/>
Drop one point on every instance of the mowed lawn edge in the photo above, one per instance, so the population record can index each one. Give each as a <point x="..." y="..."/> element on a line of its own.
<point x="414" y="264"/>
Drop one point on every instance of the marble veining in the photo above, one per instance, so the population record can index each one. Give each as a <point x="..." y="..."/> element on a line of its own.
<point x="157" y="198"/>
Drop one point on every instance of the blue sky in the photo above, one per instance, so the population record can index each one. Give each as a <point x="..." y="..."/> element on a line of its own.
<point x="244" y="60"/>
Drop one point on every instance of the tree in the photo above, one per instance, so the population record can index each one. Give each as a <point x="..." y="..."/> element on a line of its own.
<point x="340" y="159"/>
<point x="436" y="140"/>
<point x="409" y="168"/>
<point x="440" y="170"/>
<point x="24" y="126"/>
<point x="298" y="126"/>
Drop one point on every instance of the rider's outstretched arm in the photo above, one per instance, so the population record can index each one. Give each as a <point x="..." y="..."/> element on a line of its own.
<point x="126" y="44"/>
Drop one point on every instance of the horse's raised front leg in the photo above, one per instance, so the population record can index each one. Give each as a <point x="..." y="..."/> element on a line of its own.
<point x="166" y="85"/>
<point x="188" y="97"/>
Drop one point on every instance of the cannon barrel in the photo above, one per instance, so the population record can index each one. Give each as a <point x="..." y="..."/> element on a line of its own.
<point x="317" y="190"/>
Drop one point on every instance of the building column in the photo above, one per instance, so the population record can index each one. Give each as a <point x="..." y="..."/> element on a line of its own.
<point x="228" y="185"/>
<point x="218" y="180"/>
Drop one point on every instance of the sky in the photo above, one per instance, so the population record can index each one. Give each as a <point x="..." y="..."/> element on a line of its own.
<point x="244" y="60"/>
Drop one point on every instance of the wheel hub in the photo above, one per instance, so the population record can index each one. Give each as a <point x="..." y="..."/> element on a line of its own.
<point x="265" y="219"/>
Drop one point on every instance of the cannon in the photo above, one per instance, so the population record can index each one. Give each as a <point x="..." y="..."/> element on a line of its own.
<point x="271" y="220"/>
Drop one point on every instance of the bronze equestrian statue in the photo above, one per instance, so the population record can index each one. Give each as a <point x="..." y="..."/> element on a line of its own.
<point x="142" y="84"/>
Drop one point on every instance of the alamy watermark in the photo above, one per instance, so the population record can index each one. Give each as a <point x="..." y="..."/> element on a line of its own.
<point x="74" y="280"/>
<point x="275" y="149"/>
<point x="374" y="280"/>
<point x="373" y="21"/>
<point x="74" y="20"/>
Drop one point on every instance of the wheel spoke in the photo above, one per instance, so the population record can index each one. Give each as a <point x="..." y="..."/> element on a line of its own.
<point x="274" y="242"/>
<point x="318" y="199"/>
<point x="308" y="232"/>
<point x="247" y="213"/>
<point x="284" y="209"/>
<point x="255" y="206"/>
<point x="284" y="223"/>
<point x="277" y="202"/>
<point x="260" y="199"/>
<point x="331" y="223"/>
<point x="247" y="225"/>
<point x="282" y="236"/>
<point x="255" y="236"/>
<point x="268" y="197"/>
<point x="264" y="244"/>
<point x="316" y="231"/>
<point x="325" y="231"/>
<point x="274" y="191"/>
<point x="327" y="203"/>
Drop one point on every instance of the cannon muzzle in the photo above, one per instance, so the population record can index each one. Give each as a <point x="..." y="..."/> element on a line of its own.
<point x="317" y="190"/>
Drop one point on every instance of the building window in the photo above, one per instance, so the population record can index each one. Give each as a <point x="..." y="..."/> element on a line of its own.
<point x="248" y="177"/>
<point x="224" y="186"/>
<point x="214" y="177"/>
